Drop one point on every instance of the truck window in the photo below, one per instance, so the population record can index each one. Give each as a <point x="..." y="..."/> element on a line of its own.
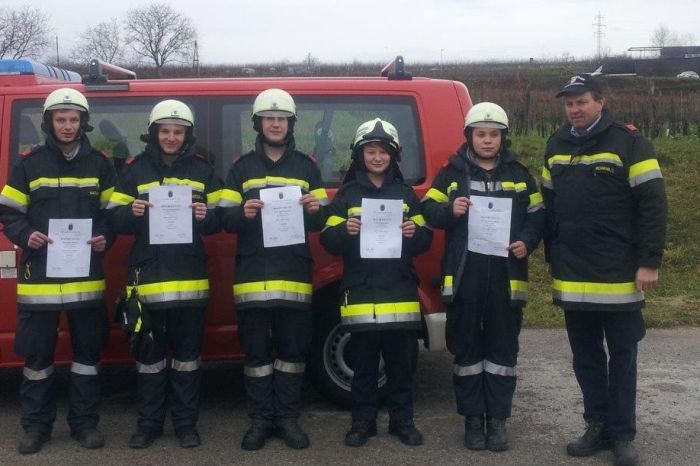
<point x="326" y="126"/>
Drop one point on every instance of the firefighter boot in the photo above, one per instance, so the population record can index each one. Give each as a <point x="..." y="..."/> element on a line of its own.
<point x="496" y="436"/>
<point x="144" y="438"/>
<point x="259" y="431"/>
<point x="292" y="434"/>
<point x="624" y="454"/>
<point x="360" y="432"/>
<point x="188" y="437"/>
<point x="89" y="437"/>
<point x="31" y="442"/>
<point x="406" y="432"/>
<point x="592" y="440"/>
<point x="474" y="438"/>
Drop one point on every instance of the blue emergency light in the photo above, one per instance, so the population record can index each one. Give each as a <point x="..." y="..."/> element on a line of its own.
<point x="30" y="67"/>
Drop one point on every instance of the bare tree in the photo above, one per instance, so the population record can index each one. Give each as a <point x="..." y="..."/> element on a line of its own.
<point x="664" y="37"/>
<point x="24" y="32"/>
<point x="160" y="34"/>
<point x="102" y="41"/>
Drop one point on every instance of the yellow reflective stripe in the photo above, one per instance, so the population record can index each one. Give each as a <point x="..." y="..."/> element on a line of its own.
<point x="183" y="182"/>
<point x="354" y="211"/>
<point x="380" y="308"/>
<point x="536" y="198"/>
<point x="58" y="289"/>
<point x="418" y="220"/>
<point x="448" y="280"/>
<point x="597" y="288"/>
<point x="436" y="196"/>
<point x="214" y="198"/>
<point x="273" y="285"/>
<point x="229" y="198"/>
<point x="68" y="181"/>
<point x="321" y="195"/>
<point x="334" y="220"/>
<point x="172" y="287"/>
<point x="518" y="285"/>
<point x="274" y="181"/>
<point x="106" y="195"/>
<point x="405" y="208"/>
<point x="451" y="187"/>
<point x="142" y="188"/>
<point x="566" y="159"/>
<point x="14" y="195"/>
<point x="511" y="186"/>
<point x="117" y="199"/>
<point x="644" y="171"/>
<point x="546" y="174"/>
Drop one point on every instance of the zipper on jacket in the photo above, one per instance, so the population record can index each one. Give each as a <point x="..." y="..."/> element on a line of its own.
<point x="345" y="297"/>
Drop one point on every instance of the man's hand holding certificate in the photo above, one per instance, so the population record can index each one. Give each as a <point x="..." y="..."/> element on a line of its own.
<point x="489" y="225"/>
<point x="282" y="216"/>
<point x="381" y="234"/>
<point x="170" y="214"/>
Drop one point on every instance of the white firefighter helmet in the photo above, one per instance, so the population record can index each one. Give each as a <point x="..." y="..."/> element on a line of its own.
<point x="171" y="112"/>
<point x="274" y="103"/>
<point x="486" y="115"/>
<point x="376" y="130"/>
<point x="66" y="99"/>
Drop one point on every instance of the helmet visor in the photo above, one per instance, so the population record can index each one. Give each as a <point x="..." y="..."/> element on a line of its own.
<point x="66" y="107"/>
<point x="487" y="124"/>
<point x="274" y="114"/>
<point x="173" y="121"/>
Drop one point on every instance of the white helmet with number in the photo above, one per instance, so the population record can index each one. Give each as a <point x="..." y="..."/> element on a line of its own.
<point x="66" y="99"/>
<point x="171" y="112"/>
<point x="486" y="115"/>
<point x="377" y="130"/>
<point x="274" y="103"/>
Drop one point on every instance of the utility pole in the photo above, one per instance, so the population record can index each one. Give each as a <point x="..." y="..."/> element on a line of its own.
<point x="58" y="60"/>
<point x="195" y="59"/>
<point x="598" y="33"/>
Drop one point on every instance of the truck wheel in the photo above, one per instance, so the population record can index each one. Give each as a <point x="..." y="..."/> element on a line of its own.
<point x="331" y="359"/>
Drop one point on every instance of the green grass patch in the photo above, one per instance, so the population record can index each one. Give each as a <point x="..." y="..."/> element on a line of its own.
<point x="676" y="300"/>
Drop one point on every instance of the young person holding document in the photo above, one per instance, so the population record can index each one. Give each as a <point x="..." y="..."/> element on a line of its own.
<point x="273" y="196"/>
<point x="489" y="206"/>
<point x="165" y="197"/>
<point x="376" y="224"/>
<point x="53" y="208"/>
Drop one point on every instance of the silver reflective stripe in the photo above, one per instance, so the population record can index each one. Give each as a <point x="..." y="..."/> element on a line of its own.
<point x="447" y="291"/>
<point x="42" y="374"/>
<point x="547" y="183"/>
<point x="535" y="207"/>
<point x="474" y="369"/>
<point x="497" y="369"/>
<point x="518" y="295"/>
<point x="262" y="371"/>
<point x="84" y="369"/>
<point x="646" y="176"/>
<point x="151" y="368"/>
<point x="14" y="204"/>
<point x="290" y="367"/>
<point x="186" y="366"/>
<point x="595" y="298"/>
<point x="268" y="295"/>
<point x="484" y="186"/>
<point x="60" y="299"/>
<point x="382" y="318"/>
<point x="173" y="296"/>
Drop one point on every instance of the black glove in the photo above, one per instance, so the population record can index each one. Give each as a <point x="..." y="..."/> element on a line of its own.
<point x="136" y="323"/>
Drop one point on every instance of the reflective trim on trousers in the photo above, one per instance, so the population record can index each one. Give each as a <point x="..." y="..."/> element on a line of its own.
<point x="151" y="368"/>
<point x="186" y="366"/>
<point x="58" y="298"/>
<point x="497" y="369"/>
<point x="84" y="369"/>
<point x="42" y="374"/>
<point x="269" y="295"/>
<point x="290" y="367"/>
<point x="261" y="371"/>
<point x="382" y="318"/>
<point x="464" y="371"/>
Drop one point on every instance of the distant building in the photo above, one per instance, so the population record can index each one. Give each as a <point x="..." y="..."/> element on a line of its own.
<point x="670" y="62"/>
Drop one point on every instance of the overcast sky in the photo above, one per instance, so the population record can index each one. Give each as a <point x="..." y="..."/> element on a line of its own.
<point x="266" y="31"/>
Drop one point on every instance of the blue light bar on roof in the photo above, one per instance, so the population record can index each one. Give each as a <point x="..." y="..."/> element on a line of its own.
<point x="26" y="66"/>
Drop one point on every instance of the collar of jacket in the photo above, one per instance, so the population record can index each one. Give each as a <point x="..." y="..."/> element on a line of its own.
<point x="260" y="151"/>
<point x="152" y="152"/>
<point x="606" y="120"/>
<point x="54" y="148"/>
<point x="391" y="176"/>
<point x="461" y="159"/>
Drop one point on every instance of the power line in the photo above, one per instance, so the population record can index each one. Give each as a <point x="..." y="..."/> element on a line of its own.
<point x="598" y="33"/>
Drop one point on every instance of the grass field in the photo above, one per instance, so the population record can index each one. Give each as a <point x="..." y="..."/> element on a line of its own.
<point x="676" y="300"/>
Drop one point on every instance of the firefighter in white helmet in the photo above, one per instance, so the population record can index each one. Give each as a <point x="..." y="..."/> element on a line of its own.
<point x="170" y="279"/>
<point x="485" y="288"/>
<point x="63" y="179"/>
<point x="379" y="297"/>
<point x="272" y="285"/>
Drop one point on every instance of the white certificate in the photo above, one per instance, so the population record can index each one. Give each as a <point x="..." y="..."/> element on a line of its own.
<point x="380" y="233"/>
<point x="170" y="218"/>
<point x="489" y="225"/>
<point x="69" y="254"/>
<point x="282" y="216"/>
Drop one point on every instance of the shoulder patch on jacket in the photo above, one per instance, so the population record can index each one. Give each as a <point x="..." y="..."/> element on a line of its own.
<point x="202" y="157"/>
<point x="26" y="152"/>
<point x="103" y="154"/>
<point x="130" y="159"/>
<point x="631" y="128"/>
